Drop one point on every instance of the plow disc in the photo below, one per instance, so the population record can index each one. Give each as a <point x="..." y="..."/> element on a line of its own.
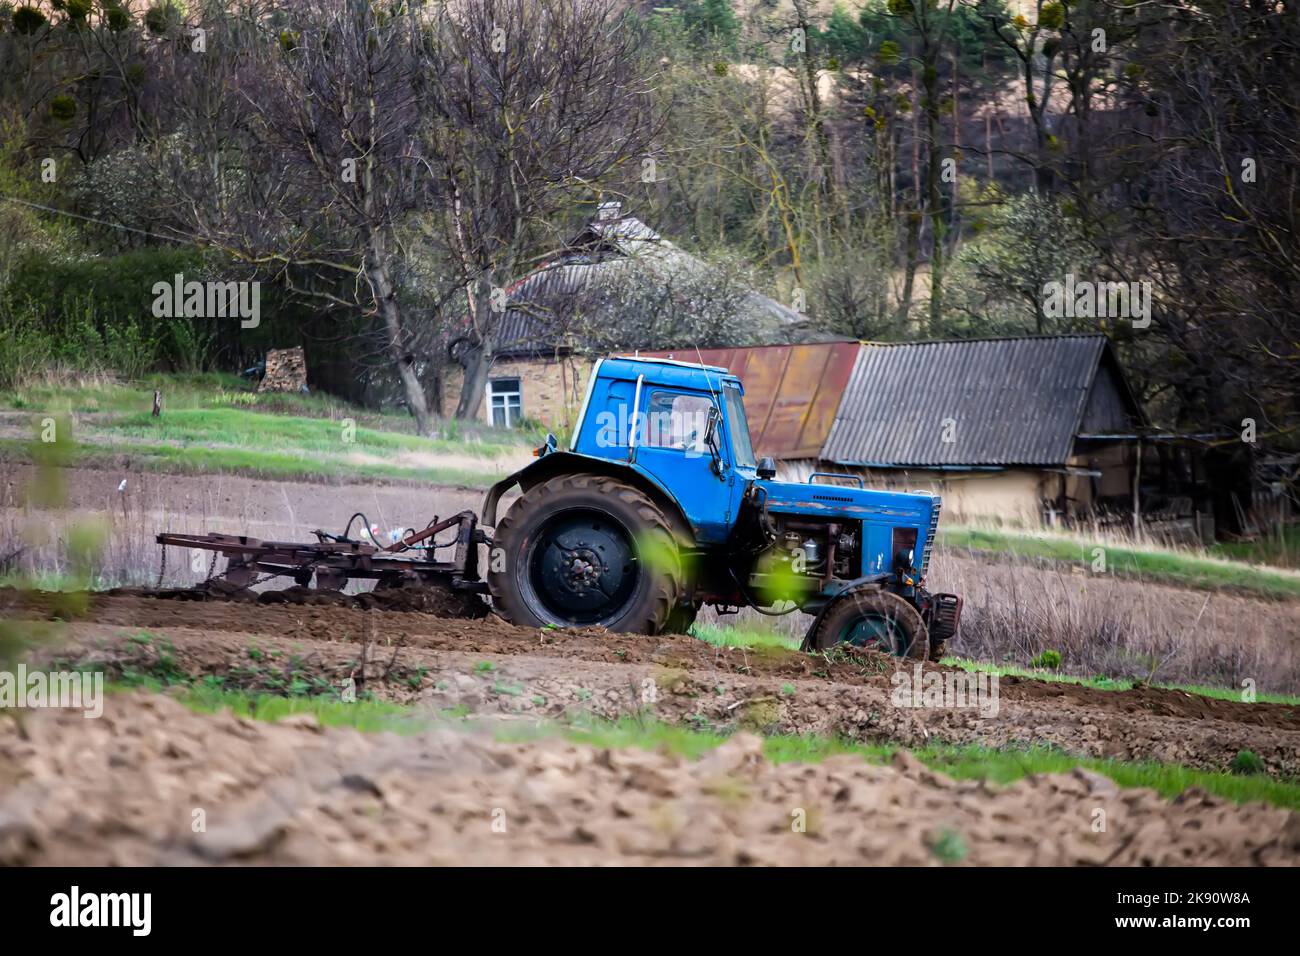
<point x="407" y="573"/>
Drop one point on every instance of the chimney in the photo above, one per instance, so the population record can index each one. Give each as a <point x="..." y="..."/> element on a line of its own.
<point x="608" y="211"/>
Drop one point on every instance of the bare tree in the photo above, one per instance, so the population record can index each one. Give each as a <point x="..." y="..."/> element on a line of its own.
<point x="486" y="121"/>
<point x="659" y="297"/>
<point x="930" y="23"/>
<point x="303" y="124"/>
<point x="531" y="105"/>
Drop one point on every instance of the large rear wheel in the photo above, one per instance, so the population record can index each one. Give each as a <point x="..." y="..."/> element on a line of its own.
<point x="585" y="550"/>
<point x="871" y="618"/>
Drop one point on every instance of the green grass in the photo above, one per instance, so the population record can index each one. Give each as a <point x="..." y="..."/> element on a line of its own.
<point x="214" y="423"/>
<point x="1000" y="766"/>
<point x="240" y="427"/>
<point x="211" y="391"/>
<point x="1281" y="549"/>
<point x="192" y="391"/>
<point x="1169" y="780"/>
<point x="1115" y="683"/>
<point x="723" y="635"/>
<point x="366" y="713"/>
<point x="257" y="464"/>
<point x="248" y="428"/>
<point x="45" y="581"/>
<point x="1149" y="564"/>
<point x="363" y="714"/>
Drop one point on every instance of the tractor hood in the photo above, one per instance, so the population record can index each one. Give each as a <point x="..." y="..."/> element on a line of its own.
<point x="831" y="501"/>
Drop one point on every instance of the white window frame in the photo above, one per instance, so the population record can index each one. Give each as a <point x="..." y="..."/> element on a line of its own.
<point x="518" y="393"/>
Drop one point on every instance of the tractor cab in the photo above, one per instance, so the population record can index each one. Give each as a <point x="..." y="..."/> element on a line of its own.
<point x="682" y="425"/>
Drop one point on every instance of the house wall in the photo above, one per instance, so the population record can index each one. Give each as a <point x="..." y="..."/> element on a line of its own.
<point x="551" y="389"/>
<point x="1013" y="496"/>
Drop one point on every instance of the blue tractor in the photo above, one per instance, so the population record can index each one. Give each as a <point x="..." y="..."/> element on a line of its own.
<point x="658" y="507"/>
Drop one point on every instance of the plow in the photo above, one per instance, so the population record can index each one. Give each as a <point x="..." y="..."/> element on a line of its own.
<point x="657" y="508"/>
<point x="334" y="560"/>
<point x="408" y="569"/>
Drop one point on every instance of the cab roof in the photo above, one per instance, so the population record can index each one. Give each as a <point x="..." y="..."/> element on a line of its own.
<point x="671" y="372"/>
<point x="668" y="361"/>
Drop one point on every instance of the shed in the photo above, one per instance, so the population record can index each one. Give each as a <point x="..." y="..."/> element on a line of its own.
<point x="1017" y="428"/>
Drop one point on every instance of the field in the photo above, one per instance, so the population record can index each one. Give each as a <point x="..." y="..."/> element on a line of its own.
<point x="217" y="424"/>
<point x="1140" y="563"/>
<point x="591" y="747"/>
<point x="1156" y="694"/>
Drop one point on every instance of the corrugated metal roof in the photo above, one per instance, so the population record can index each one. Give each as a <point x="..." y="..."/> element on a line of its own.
<point x="537" y="319"/>
<point x="791" y="391"/>
<point x="975" y="402"/>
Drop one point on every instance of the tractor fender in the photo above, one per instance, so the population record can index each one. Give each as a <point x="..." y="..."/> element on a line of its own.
<point x="571" y="463"/>
<point x="860" y="584"/>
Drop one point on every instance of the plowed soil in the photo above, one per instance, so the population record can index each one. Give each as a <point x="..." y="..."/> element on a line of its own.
<point x="153" y="783"/>
<point x="487" y="665"/>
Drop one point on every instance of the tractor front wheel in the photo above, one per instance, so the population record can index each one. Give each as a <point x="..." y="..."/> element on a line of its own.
<point x="585" y="550"/>
<point x="871" y="618"/>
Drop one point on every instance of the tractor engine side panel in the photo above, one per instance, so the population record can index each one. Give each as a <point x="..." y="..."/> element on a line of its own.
<point x="813" y="547"/>
<point x="893" y="529"/>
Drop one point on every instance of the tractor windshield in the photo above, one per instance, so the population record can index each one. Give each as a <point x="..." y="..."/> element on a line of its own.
<point x="740" y="443"/>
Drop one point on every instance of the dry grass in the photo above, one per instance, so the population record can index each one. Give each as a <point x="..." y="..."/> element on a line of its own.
<point x="62" y="378"/>
<point x="1120" y="556"/>
<point x="1107" y="626"/>
<point x="1101" y="625"/>
<point x="123" y="551"/>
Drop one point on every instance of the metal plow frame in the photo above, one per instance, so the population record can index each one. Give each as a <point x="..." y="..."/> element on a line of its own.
<point x="333" y="560"/>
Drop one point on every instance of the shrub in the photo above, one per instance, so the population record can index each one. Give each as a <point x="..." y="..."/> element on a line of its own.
<point x="161" y="17"/>
<point x="71" y="337"/>
<point x="192" y="345"/>
<point x="1246" y="762"/>
<point x="27" y="348"/>
<point x="78" y="11"/>
<point x="118" y="19"/>
<point x="96" y="314"/>
<point x="27" y="20"/>
<point x="129" y="349"/>
<point x="1048" y="660"/>
<point x="63" y="108"/>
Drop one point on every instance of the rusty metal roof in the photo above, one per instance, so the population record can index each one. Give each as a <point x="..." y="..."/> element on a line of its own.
<point x="791" y="391"/>
<point x="970" y="403"/>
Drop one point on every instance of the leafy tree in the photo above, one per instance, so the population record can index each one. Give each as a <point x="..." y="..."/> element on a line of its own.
<point x="712" y="23"/>
<point x="1018" y="246"/>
